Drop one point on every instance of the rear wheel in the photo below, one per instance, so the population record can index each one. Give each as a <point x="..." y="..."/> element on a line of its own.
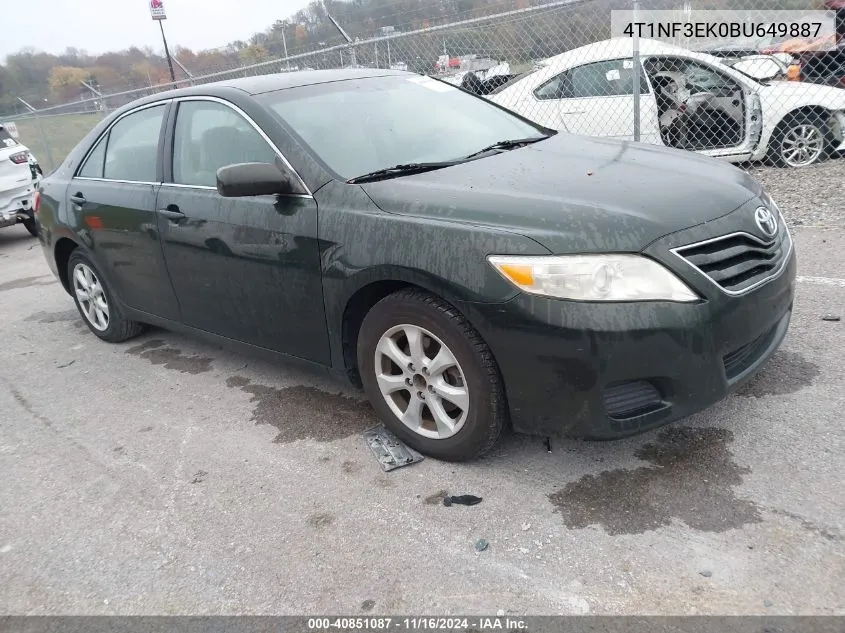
<point x="800" y="140"/>
<point x="95" y="302"/>
<point x="430" y="376"/>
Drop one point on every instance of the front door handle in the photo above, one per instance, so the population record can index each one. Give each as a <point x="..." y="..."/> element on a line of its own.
<point x="78" y="199"/>
<point x="172" y="213"/>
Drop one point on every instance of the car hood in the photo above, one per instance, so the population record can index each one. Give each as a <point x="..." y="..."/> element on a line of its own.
<point x="803" y="93"/>
<point x="576" y="194"/>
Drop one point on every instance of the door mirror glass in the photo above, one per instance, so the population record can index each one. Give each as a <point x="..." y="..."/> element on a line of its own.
<point x="252" y="179"/>
<point x="759" y="67"/>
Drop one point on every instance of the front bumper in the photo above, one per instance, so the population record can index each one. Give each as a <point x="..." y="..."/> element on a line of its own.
<point x="603" y="371"/>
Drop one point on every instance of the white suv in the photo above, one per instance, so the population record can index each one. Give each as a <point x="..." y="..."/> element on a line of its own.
<point x="18" y="183"/>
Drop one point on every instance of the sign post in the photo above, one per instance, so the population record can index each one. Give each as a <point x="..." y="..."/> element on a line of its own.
<point x="158" y="14"/>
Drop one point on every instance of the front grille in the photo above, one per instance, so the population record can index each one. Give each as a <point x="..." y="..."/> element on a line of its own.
<point x="634" y="397"/>
<point x="744" y="357"/>
<point x="740" y="261"/>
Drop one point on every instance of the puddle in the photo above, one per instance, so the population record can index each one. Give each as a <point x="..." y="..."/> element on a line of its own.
<point x="54" y="317"/>
<point x="786" y="372"/>
<point x="321" y="520"/>
<point x="691" y="480"/>
<point x="302" y="412"/>
<point x="436" y="499"/>
<point x="170" y="357"/>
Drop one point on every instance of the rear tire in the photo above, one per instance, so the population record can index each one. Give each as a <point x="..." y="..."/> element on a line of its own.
<point x="96" y="302"/>
<point x="31" y="226"/>
<point x="449" y="392"/>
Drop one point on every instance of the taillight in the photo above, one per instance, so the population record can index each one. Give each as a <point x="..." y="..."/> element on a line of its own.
<point x="20" y="158"/>
<point x="36" y="202"/>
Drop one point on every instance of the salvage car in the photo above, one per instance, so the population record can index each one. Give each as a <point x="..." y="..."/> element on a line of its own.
<point x="688" y="100"/>
<point x="469" y="268"/>
<point x="19" y="176"/>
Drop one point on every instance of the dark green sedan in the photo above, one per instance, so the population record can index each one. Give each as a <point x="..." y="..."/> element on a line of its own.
<point x="469" y="268"/>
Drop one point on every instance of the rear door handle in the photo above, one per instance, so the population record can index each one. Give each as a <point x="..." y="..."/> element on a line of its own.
<point x="172" y="213"/>
<point x="78" y="199"/>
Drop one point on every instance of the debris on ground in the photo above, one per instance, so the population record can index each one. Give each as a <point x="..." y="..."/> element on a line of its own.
<point x="706" y="573"/>
<point x="768" y="603"/>
<point x="831" y="317"/>
<point x="481" y="545"/>
<point x="526" y="527"/>
<point x="389" y="450"/>
<point x="461" y="500"/>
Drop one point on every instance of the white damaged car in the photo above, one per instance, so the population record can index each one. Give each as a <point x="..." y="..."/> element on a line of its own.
<point x="740" y="110"/>
<point x="19" y="178"/>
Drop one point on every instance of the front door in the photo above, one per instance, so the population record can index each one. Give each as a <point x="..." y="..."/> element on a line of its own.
<point x="245" y="268"/>
<point x="113" y="195"/>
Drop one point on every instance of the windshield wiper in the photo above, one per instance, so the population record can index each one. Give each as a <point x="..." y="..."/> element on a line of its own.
<point x="505" y="145"/>
<point x="401" y="170"/>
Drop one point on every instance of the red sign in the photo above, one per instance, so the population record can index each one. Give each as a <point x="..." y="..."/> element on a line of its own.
<point x="157" y="10"/>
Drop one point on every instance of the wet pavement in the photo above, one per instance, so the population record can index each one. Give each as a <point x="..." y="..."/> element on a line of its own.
<point x="165" y="475"/>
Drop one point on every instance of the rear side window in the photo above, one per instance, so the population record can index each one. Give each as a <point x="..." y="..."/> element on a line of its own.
<point x="132" y="147"/>
<point x="210" y="135"/>
<point x="93" y="167"/>
<point x="6" y="139"/>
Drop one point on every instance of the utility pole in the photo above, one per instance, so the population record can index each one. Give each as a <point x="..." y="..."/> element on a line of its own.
<point x="159" y="15"/>
<point x="167" y="53"/>
<point x="637" y="70"/>
<point x="285" y="44"/>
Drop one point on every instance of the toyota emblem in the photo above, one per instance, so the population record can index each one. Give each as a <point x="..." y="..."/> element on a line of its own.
<point x="767" y="221"/>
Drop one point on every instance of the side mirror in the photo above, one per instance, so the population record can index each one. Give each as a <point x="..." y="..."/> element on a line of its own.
<point x="253" y="179"/>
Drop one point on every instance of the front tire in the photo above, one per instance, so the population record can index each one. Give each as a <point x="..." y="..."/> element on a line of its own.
<point x="96" y="302"/>
<point x="430" y="376"/>
<point x="800" y="140"/>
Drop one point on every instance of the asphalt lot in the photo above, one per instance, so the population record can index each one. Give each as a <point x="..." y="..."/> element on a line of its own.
<point x="167" y="476"/>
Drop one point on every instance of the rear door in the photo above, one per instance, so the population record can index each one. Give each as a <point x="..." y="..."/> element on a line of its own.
<point x="245" y="268"/>
<point x="113" y="198"/>
<point x="597" y="99"/>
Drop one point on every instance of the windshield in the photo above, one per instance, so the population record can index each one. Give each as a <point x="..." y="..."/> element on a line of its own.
<point x="362" y="125"/>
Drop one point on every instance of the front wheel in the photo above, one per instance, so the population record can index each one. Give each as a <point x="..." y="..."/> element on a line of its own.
<point x="430" y="376"/>
<point x="96" y="302"/>
<point x="799" y="141"/>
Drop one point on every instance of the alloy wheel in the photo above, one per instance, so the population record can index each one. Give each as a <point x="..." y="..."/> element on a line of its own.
<point x="91" y="296"/>
<point x="421" y="381"/>
<point x="802" y="145"/>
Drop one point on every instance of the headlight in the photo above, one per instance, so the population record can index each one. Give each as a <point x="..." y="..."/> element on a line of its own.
<point x="593" y="277"/>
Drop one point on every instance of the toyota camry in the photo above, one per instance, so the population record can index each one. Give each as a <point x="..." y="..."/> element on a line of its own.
<point x="468" y="268"/>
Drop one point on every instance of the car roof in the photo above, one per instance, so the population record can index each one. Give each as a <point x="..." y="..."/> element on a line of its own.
<point x="281" y="81"/>
<point x="620" y="47"/>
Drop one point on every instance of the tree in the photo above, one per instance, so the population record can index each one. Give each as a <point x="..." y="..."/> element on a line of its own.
<point x="66" y="82"/>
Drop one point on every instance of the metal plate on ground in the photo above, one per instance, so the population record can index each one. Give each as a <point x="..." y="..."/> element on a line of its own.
<point x="389" y="450"/>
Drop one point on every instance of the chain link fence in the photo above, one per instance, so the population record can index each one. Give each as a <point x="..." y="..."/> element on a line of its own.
<point x="777" y="95"/>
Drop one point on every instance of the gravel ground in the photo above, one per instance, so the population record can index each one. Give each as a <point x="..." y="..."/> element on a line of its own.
<point x="808" y="196"/>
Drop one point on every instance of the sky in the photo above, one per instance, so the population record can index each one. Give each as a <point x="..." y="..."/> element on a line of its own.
<point x="98" y="26"/>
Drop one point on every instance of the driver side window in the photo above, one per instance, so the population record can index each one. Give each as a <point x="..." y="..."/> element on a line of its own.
<point x="611" y="78"/>
<point x="210" y="135"/>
